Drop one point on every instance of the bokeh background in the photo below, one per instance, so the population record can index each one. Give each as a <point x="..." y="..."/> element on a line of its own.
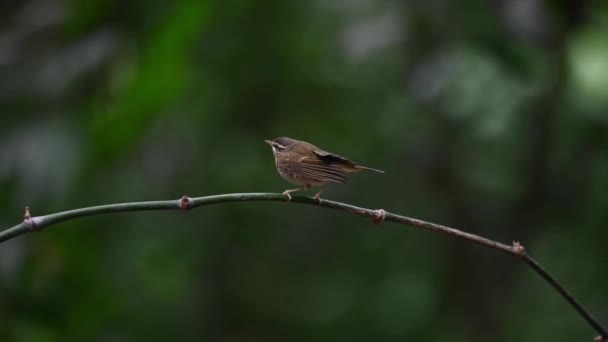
<point x="489" y="116"/>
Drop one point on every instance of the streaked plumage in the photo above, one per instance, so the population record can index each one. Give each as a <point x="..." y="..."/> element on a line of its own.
<point x="302" y="163"/>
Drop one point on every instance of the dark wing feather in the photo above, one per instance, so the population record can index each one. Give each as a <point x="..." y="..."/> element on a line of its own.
<point x="331" y="157"/>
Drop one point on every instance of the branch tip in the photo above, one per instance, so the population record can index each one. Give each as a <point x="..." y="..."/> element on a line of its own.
<point x="601" y="338"/>
<point x="27" y="215"/>
<point x="184" y="203"/>
<point x="379" y="216"/>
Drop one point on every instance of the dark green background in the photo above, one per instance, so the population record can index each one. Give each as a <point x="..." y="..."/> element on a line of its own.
<point x="489" y="116"/>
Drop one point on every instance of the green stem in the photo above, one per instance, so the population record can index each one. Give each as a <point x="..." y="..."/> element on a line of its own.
<point x="33" y="224"/>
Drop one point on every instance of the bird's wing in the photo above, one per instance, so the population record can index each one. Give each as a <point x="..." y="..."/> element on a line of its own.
<point x="319" y="170"/>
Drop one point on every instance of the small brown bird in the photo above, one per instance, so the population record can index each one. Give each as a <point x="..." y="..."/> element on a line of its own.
<point x="305" y="164"/>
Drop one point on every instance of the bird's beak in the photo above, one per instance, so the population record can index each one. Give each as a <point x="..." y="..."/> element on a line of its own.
<point x="268" y="142"/>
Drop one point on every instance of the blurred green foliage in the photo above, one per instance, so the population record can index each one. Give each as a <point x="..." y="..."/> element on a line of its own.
<point x="488" y="116"/>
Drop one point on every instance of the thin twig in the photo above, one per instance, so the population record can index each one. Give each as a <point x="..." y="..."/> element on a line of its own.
<point x="37" y="223"/>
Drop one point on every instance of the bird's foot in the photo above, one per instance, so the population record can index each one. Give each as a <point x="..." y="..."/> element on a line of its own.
<point x="318" y="196"/>
<point x="318" y="199"/>
<point x="288" y="194"/>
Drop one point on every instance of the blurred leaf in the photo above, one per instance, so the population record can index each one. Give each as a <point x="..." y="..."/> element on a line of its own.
<point x="589" y="67"/>
<point x="159" y="79"/>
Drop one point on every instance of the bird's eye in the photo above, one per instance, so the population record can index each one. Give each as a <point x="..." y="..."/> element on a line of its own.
<point x="278" y="146"/>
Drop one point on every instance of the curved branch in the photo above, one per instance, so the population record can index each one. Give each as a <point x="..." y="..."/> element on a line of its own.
<point x="37" y="223"/>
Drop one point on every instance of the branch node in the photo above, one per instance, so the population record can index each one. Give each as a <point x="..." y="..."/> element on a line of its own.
<point x="185" y="203"/>
<point x="31" y="224"/>
<point x="379" y="216"/>
<point x="519" y="249"/>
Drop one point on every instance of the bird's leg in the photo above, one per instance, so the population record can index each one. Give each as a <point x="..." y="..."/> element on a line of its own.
<point x="290" y="191"/>
<point x="318" y="196"/>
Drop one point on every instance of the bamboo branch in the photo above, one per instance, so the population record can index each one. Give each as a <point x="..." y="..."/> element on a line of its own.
<point x="37" y="223"/>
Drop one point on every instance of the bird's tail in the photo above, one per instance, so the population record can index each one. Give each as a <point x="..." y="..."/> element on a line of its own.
<point x="359" y="168"/>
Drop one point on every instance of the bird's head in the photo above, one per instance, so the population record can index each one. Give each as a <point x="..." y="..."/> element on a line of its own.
<point x="279" y="145"/>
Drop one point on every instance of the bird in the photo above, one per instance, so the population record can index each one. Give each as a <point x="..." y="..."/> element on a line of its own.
<point x="304" y="164"/>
